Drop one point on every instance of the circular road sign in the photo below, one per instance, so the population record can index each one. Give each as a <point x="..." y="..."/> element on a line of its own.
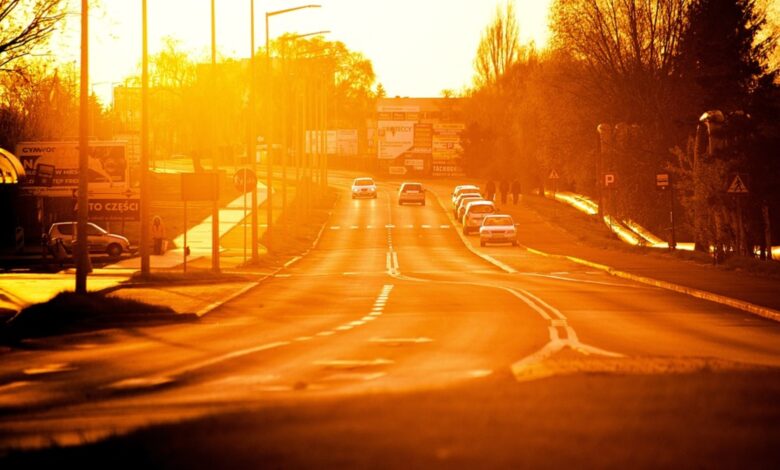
<point x="244" y="180"/>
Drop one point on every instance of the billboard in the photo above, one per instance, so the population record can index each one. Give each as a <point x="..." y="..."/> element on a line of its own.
<point x="395" y="130"/>
<point x="341" y="142"/>
<point x="58" y="163"/>
<point x="447" y="149"/>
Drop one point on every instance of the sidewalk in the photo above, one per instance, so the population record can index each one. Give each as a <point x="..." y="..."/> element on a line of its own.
<point x="540" y="233"/>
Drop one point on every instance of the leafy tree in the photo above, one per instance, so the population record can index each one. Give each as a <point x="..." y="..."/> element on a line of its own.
<point x="26" y="25"/>
<point x="499" y="46"/>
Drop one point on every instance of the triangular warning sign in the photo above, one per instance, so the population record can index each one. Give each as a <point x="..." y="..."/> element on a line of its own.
<point x="738" y="186"/>
<point x="553" y="175"/>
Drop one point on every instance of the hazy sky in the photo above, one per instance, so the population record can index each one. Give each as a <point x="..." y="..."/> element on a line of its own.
<point x="418" y="47"/>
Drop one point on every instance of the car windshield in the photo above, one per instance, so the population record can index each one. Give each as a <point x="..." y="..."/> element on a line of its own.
<point x="466" y="190"/>
<point x="467" y="200"/>
<point x="482" y="209"/>
<point x="412" y="187"/>
<point x="492" y="221"/>
<point x="93" y="229"/>
<point x="365" y="182"/>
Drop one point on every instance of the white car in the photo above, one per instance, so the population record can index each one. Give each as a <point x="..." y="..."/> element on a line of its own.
<point x="475" y="212"/>
<point x="463" y="189"/>
<point x="498" y="228"/>
<point x="363" y="187"/>
<point x="463" y="203"/>
<point x="411" y="192"/>
<point x="98" y="239"/>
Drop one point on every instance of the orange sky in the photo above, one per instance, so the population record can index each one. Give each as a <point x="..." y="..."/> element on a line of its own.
<point x="418" y="47"/>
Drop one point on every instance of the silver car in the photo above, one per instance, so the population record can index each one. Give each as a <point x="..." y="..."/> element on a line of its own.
<point x="498" y="228"/>
<point x="98" y="239"/>
<point x="411" y="192"/>
<point x="363" y="187"/>
<point x="475" y="212"/>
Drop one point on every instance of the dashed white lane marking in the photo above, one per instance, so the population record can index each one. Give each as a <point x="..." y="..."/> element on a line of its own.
<point x="49" y="369"/>
<point x="292" y="261"/>
<point x="325" y="333"/>
<point x="400" y="341"/>
<point x="389" y="226"/>
<point x="335" y="227"/>
<point x="425" y="226"/>
<point x="344" y="327"/>
<point x="354" y="227"/>
<point x="354" y="363"/>
<point x="369" y="226"/>
<point x="444" y="226"/>
<point x="304" y="338"/>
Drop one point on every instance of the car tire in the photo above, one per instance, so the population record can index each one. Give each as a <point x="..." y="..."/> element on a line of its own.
<point x="114" y="250"/>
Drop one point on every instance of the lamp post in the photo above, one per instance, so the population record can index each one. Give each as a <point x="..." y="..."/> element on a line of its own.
<point x="251" y="138"/>
<point x="145" y="228"/>
<point x="215" y="203"/>
<point x="269" y="143"/>
<point x="285" y="120"/>
<point x="82" y="265"/>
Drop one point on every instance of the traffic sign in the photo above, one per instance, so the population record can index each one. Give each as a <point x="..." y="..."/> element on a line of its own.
<point x="245" y="180"/>
<point x="610" y="180"/>
<point x="397" y="170"/>
<point x="738" y="185"/>
<point x="553" y="175"/>
<point x="662" y="180"/>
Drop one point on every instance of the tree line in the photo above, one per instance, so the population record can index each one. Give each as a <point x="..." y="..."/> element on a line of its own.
<point x="195" y="111"/>
<point x="623" y="87"/>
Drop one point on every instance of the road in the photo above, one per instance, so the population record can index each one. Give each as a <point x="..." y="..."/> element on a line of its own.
<point x="392" y="344"/>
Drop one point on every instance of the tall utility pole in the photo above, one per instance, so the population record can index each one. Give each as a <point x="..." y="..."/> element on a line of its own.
<point x="145" y="193"/>
<point x="215" y="204"/>
<point x="82" y="265"/>
<point x="269" y="142"/>
<point x="251" y="139"/>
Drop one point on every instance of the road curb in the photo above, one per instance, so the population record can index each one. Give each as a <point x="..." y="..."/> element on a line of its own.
<point x="503" y="266"/>
<point x="290" y="262"/>
<point x="765" y="312"/>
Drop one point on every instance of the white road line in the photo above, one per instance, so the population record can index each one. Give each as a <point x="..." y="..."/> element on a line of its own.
<point x="292" y="261"/>
<point x="425" y="226"/>
<point x="283" y="275"/>
<point x="444" y="226"/>
<point x="344" y="327"/>
<point x="354" y="227"/>
<point x="325" y="333"/>
<point x="408" y="226"/>
<point x="389" y="226"/>
<point x="335" y="227"/>
<point x="369" y="226"/>
<point x="304" y="338"/>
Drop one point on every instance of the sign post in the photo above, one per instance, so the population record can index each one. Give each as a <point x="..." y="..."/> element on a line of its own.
<point x="738" y="187"/>
<point x="663" y="182"/>
<point x="244" y="179"/>
<point x="554" y="177"/>
<point x="609" y="181"/>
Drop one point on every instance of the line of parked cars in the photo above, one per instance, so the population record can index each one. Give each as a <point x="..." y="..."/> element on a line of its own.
<point x="476" y="214"/>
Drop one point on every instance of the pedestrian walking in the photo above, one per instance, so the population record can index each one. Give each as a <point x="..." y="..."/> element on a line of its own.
<point x="158" y="235"/>
<point x="516" y="191"/>
<point x="504" y="188"/>
<point x="490" y="190"/>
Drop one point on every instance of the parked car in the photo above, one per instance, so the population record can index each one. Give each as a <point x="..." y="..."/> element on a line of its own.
<point x="475" y="212"/>
<point x="498" y="228"/>
<point x="411" y="192"/>
<point x="464" y="202"/>
<point x="98" y="239"/>
<point x="463" y="194"/>
<point x="363" y="187"/>
<point x="463" y="188"/>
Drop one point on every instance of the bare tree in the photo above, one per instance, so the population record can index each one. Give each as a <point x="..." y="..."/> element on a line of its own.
<point x="499" y="46"/>
<point x="25" y="25"/>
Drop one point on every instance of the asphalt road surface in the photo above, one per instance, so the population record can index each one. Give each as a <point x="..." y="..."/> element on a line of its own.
<point x="392" y="345"/>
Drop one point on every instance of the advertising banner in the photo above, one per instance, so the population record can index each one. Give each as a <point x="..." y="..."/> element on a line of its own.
<point x="107" y="168"/>
<point x="115" y="209"/>
<point x="394" y="138"/>
<point x="447" y="149"/>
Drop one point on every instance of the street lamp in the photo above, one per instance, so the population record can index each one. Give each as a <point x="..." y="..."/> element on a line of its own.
<point x="82" y="265"/>
<point x="269" y="144"/>
<point x="292" y="38"/>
